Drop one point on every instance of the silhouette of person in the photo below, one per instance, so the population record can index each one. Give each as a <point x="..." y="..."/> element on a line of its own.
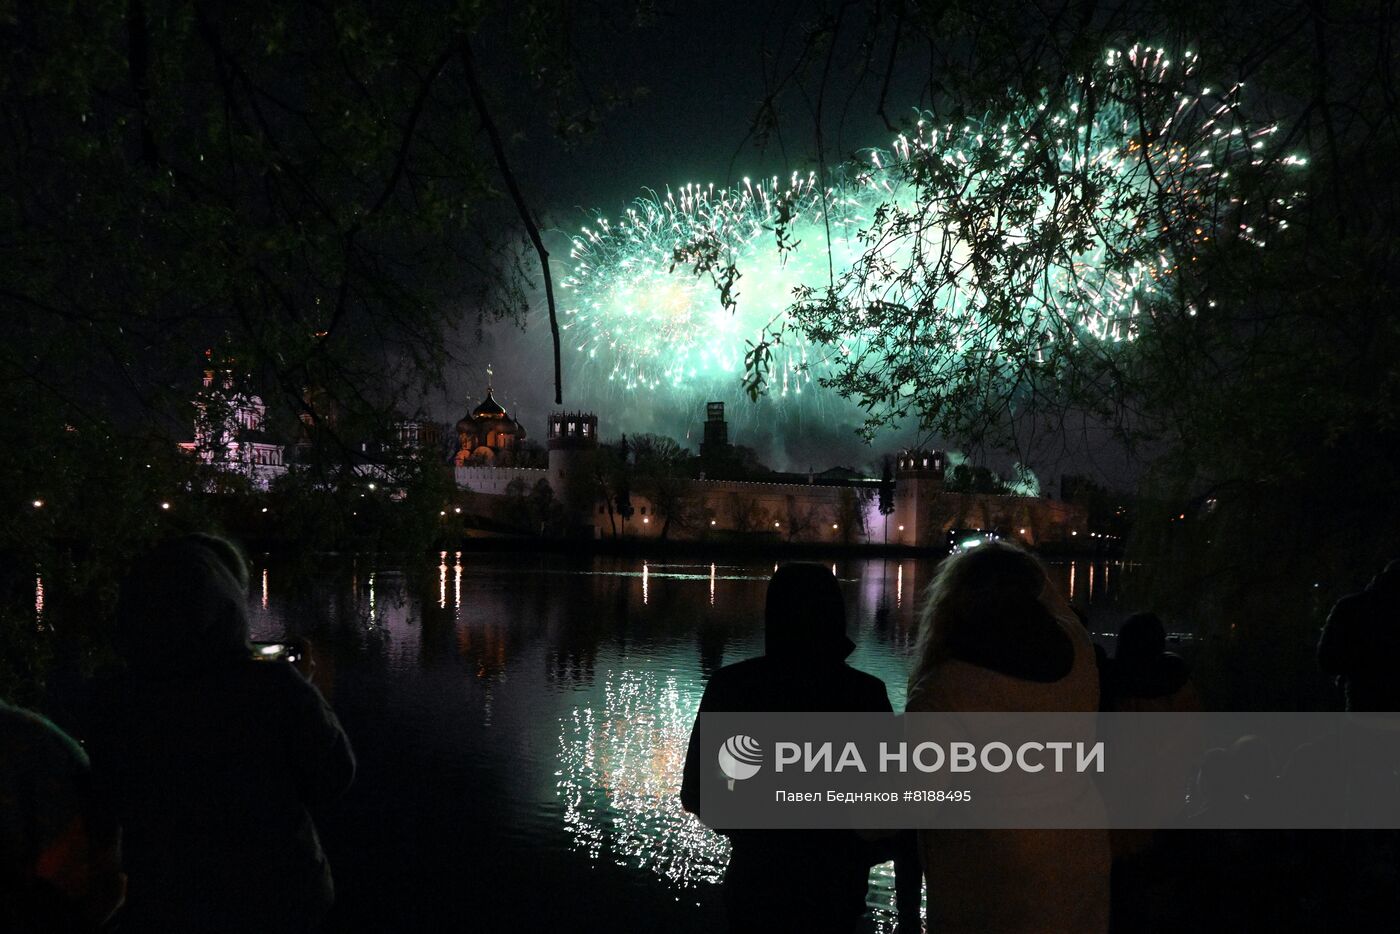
<point x="1143" y="677"/>
<point x="60" y="851"/>
<point x="995" y="636"/>
<point x="1361" y="643"/>
<point x="793" y="880"/>
<point x="1146" y="678"/>
<point x="212" y="758"/>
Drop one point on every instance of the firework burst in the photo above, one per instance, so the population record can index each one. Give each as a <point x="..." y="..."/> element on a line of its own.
<point x="656" y="326"/>
<point x="1054" y="222"/>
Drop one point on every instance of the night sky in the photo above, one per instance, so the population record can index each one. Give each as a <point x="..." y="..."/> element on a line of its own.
<point x="702" y="70"/>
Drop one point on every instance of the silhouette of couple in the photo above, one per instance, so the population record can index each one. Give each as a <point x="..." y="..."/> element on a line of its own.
<point x="994" y="636"/>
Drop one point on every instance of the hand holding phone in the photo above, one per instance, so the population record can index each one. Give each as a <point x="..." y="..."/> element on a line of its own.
<point x="277" y="652"/>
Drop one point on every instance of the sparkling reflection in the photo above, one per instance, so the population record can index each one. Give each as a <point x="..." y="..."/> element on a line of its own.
<point x="457" y="583"/>
<point x="620" y="775"/>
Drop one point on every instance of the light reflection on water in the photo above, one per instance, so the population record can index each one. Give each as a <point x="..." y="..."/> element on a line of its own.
<point x="572" y="685"/>
<point x="619" y="776"/>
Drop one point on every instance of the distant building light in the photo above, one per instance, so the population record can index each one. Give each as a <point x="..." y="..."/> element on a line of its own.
<point x="264" y="509"/>
<point x="1074" y="533"/>
<point x="901" y="528"/>
<point x="776" y="524"/>
<point x="833" y="525"/>
<point x="371" y="486"/>
<point x="443" y="513"/>
<point x="1023" y="531"/>
<point x="457" y="509"/>
<point x="646" y="520"/>
<point x="712" y="522"/>
<point x="38" y="504"/>
<point x="164" y="505"/>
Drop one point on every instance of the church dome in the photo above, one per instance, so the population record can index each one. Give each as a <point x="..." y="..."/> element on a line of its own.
<point x="486" y="433"/>
<point x="489" y="408"/>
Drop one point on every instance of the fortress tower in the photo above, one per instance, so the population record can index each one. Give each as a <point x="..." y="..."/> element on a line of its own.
<point x="716" y="442"/>
<point x="918" y="480"/>
<point x="573" y="439"/>
<point x="920" y="464"/>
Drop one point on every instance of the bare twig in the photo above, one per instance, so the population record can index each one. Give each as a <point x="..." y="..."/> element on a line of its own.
<point x="499" y="151"/>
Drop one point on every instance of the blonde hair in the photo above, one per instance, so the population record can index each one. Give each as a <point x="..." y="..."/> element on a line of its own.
<point x="967" y="588"/>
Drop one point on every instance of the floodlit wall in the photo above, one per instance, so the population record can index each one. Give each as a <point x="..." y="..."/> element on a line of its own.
<point x="494" y="480"/>
<point x="805" y="512"/>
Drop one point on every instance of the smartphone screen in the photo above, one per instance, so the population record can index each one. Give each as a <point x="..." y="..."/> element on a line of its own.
<point x="276" y="652"/>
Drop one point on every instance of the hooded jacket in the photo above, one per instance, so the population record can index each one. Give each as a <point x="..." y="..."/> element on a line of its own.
<point x="793" y="880"/>
<point x="212" y="759"/>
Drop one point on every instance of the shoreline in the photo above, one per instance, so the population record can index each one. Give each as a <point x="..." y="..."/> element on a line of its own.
<point x="695" y="548"/>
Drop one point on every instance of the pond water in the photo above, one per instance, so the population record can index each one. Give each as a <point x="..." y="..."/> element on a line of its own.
<point x="521" y="722"/>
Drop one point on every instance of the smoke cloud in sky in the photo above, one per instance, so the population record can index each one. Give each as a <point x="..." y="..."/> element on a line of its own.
<point x="817" y="435"/>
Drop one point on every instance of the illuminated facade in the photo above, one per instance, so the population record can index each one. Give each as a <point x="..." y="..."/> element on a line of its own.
<point x="488" y="435"/>
<point x="230" y="427"/>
